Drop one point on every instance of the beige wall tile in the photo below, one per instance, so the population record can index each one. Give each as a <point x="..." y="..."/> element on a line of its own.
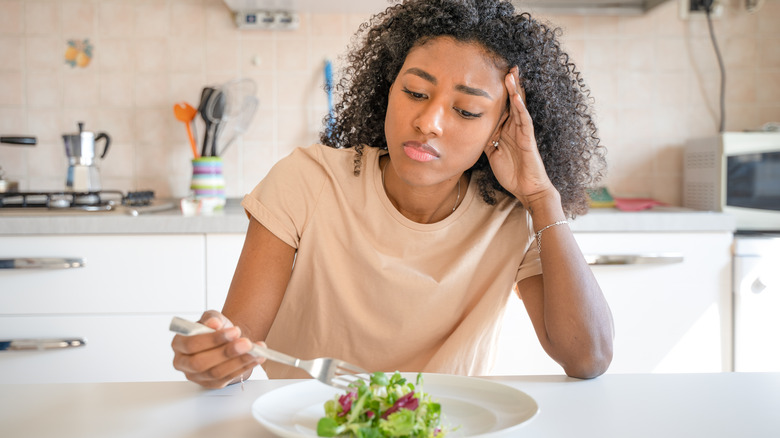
<point x="11" y="87"/>
<point x="81" y="89"/>
<point x="152" y="91"/>
<point x="79" y="18"/>
<point x="768" y="17"/>
<point x="187" y="18"/>
<point x="47" y="125"/>
<point x="769" y="52"/>
<point x="115" y="55"/>
<point x="601" y="54"/>
<point x="116" y="90"/>
<point x="768" y="83"/>
<point x="117" y="19"/>
<point x="741" y="87"/>
<point x="326" y="25"/>
<point x="636" y="54"/>
<point x="12" y="53"/>
<point x="151" y="55"/>
<point x="44" y="90"/>
<point x="44" y="54"/>
<point x="596" y="26"/>
<point x="42" y="18"/>
<point x="220" y="21"/>
<point x="573" y="26"/>
<point x="186" y="55"/>
<point x="740" y="52"/>
<point x="291" y="54"/>
<point x="742" y="117"/>
<point x="12" y="17"/>
<point x="222" y="55"/>
<point x="671" y="54"/>
<point x="151" y="19"/>
<point x="257" y="55"/>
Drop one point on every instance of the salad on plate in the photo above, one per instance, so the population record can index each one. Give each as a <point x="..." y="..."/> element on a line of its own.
<point x="388" y="406"/>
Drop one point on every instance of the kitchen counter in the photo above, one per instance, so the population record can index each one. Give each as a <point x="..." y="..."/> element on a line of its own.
<point x="234" y="220"/>
<point x="618" y="405"/>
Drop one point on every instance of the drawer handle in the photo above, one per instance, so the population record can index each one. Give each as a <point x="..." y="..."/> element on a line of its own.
<point x="42" y="263"/>
<point x="41" y="344"/>
<point x="634" y="259"/>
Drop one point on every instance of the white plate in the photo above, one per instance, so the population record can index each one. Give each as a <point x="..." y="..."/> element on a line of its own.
<point x="481" y="408"/>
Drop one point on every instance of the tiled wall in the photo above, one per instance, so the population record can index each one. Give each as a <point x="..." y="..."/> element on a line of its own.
<point x="654" y="79"/>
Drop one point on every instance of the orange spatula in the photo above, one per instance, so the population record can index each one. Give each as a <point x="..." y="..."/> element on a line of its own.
<point x="186" y="113"/>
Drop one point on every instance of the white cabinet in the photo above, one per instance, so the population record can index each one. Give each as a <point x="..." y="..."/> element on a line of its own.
<point x="120" y="302"/>
<point x="669" y="317"/>
<point x="222" y="252"/>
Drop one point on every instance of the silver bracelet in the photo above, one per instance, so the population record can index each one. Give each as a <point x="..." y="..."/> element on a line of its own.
<point x="539" y="234"/>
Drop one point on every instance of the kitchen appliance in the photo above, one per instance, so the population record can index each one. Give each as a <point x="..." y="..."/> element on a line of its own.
<point x="83" y="172"/>
<point x="6" y="185"/>
<point x="737" y="173"/>
<point x="756" y="302"/>
<point x="103" y="200"/>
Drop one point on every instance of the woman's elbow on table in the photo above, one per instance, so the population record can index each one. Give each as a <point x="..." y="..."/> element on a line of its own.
<point x="591" y="366"/>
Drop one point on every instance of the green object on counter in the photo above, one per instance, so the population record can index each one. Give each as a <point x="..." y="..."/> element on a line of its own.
<point x="600" y="198"/>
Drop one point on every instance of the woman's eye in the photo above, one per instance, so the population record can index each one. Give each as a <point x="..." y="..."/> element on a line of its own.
<point x="467" y="115"/>
<point x="414" y="95"/>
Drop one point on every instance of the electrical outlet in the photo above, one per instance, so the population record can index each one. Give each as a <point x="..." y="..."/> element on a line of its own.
<point x="696" y="9"/>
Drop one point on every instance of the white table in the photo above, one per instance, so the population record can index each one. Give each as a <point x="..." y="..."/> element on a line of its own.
<point x="620" y="405"/>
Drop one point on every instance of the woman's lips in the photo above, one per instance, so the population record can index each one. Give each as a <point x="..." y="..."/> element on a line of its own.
<point x="420" y="152"/>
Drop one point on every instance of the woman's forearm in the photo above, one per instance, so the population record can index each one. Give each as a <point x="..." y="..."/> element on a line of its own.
<point x="576" y="322"/>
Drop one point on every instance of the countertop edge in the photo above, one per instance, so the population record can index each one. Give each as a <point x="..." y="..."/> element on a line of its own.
<point x="233" y="219"/>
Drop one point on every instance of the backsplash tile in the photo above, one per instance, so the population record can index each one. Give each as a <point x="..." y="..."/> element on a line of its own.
<point x="654" y="79"/>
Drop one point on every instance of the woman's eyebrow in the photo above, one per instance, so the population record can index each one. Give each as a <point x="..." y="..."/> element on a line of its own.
<point x="462" y="88"/>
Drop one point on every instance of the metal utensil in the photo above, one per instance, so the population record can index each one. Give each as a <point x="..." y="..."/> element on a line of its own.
<point x="240" y="124"/>
<point x="215" y="111"/>
<point x="204" y="99"/>
<point x="333" y="372"/>
<point x="232" y="110"/>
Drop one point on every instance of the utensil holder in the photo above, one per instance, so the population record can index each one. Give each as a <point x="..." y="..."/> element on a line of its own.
<point x="208" y="182"/>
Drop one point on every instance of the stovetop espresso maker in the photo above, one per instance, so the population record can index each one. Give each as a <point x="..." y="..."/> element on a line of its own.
<point x="83" y="172"/>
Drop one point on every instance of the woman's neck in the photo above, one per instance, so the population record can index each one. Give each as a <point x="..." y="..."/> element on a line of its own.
<point x="424" y="205"/>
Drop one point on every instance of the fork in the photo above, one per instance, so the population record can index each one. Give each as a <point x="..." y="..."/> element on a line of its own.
<point x="333" y="372"/>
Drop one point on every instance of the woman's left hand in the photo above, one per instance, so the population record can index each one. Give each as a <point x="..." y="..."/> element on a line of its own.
<point x="516" y="162"/>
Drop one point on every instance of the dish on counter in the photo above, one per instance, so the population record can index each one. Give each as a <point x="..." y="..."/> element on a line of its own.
<point x="478" y="407"/>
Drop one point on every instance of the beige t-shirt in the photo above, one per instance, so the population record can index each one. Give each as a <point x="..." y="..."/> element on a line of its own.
<point x="376" y="289"/>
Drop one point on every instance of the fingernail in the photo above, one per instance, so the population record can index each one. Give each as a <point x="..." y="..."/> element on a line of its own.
<point x="232" y="333"/>
<point x="243" y="346"/>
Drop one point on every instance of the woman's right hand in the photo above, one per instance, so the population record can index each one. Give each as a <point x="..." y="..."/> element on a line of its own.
<point x="214" y="360"/>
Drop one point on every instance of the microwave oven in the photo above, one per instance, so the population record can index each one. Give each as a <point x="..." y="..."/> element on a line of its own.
<point x="736" y="173"/>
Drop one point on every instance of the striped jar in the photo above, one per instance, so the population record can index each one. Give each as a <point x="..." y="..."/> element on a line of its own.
<point x="207" y="178"/>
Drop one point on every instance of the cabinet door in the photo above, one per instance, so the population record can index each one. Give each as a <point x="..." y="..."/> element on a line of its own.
<point x="122" y="274"/>
<point x="673" y="317"/>
<point x="668" y="317"/>
<point x="119" y="348"/>
<point x="222" y="252"/>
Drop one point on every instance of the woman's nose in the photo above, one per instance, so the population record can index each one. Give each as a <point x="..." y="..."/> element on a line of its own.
<point x="430" y="119"/>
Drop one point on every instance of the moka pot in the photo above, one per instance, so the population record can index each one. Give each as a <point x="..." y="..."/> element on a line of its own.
<point x="83" y="171"/>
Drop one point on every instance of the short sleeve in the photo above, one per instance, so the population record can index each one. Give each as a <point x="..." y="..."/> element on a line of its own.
<point x="287" y="197"/>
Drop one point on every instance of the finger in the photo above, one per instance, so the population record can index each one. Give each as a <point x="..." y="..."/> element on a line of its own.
<point x="215" y="320"/>
<point x="207" y="360"/>
<point x="519" y="113"/>
<point x="207" y="380"/>
<point x="207" y="341"/>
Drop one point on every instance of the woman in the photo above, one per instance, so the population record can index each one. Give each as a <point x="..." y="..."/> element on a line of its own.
<point x="397" y="243"/>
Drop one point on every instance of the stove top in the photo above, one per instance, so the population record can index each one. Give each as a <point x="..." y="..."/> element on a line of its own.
<point x="104" y="200"/>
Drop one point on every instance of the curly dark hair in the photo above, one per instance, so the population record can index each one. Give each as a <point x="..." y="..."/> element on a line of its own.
<point x="556" y="95"/>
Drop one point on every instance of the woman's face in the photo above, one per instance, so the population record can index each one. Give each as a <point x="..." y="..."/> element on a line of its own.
<point x="444" y="107"/>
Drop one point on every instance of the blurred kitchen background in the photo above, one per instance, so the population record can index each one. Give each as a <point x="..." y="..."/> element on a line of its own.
<point x="654" y="77"/>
